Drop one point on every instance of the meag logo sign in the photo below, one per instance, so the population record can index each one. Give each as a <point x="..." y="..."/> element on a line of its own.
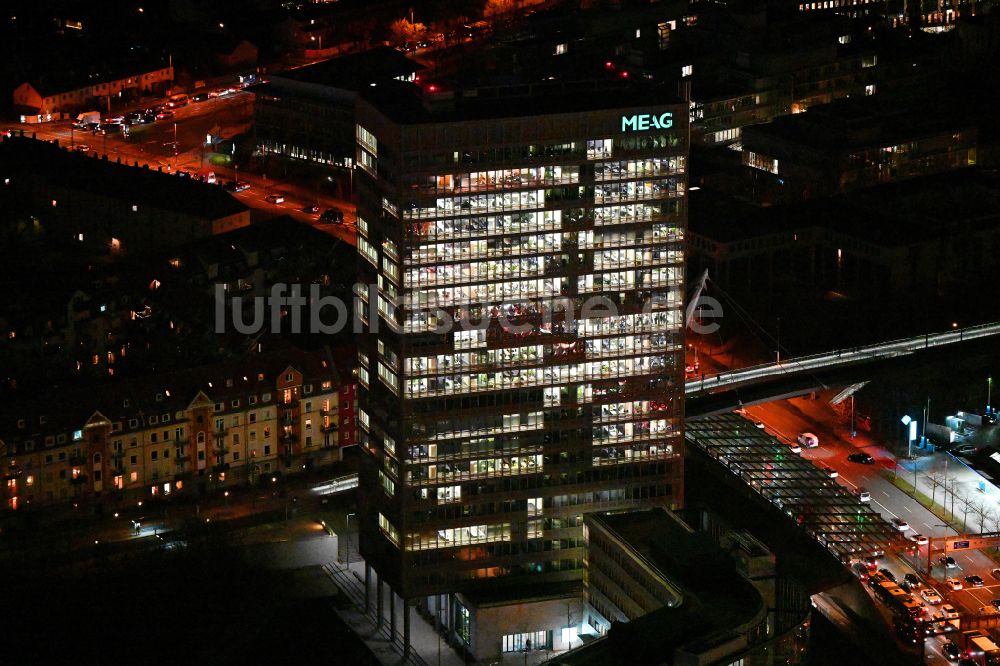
<point x="644" y="121"/>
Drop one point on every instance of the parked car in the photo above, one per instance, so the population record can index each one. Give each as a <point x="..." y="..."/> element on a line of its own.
<point x="333" y="215"/>
<point x="861" y="458"/>
<point x="996" y="603"/>
<point x="995" y="573"/>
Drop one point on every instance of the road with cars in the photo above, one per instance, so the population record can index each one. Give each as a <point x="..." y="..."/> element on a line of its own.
<point x="177" y="144"/>
<point x="786" y="419"/>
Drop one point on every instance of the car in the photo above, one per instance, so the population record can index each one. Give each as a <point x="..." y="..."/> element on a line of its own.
<point x="808" y="440"/>
<point x="912" y="580"/>
<point x="953" y="583"/>
<point x="275" y="198"/>
<point x="794" y="448"/>
<point x="919" y="539"/>
<point x="164" y="115"/>
<point x="312" y="210"/>
<point x="861" y="570"/>
<point x="931" y="596"/>
<point x="183" y="174"/>
<point x="888" y="574"/>
<point x="948" y="562"/>
<point x="974" y="581"/>
<point x="951" y="651"/>
<point x="988" y="610"/>
<point x="875" y="579"/>
<point x="872" y="563"/>
<point x="241" y="186"/>
<point x="210" y="178"/>
<point x="861" y="458"/>
<point x="82" y="147"/>
<point x="996" y="603"/>
<point x="333" y="215"/>
<point x="826" y="469"/>
<point x="200" y="97"/>
<point x="995" y="573"/>
<point x="909" y="633"/>
<point x="900" y="524"/>
<point x="949" y="612"/>
<point x="863" y="495"/>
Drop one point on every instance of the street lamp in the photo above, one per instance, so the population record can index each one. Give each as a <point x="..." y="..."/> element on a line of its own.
<point x="989" y="393"/>
<point x="348" y="530"/>
<point x="911" y="433"/>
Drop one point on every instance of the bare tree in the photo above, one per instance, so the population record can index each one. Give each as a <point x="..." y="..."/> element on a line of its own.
<point x="936" y="479"/>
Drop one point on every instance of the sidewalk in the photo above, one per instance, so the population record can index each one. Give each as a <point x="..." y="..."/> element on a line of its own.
<point x="424" y="641"/>
<point x="963" y="489"/>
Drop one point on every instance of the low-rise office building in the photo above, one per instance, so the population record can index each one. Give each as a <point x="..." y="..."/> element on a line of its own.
<point x="658" y="592"/>
<point x="854" y="143"/>
<point x="304" y="118"/>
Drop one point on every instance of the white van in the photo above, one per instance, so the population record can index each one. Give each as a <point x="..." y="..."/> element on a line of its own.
<point x="808" y="440"/>
<point x="864" y="495"/>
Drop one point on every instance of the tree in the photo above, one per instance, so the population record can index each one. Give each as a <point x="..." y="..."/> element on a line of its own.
<point x="403" y="31"/>
<point x="497" y="7"/>
<point x="936" y="480"/>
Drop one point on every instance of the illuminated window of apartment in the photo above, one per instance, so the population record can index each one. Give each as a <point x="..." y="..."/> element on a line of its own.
<point x="687" y="70"/>
<point x="561" y="49"/>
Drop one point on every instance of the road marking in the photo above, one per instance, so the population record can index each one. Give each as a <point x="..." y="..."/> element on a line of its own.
<point x="885" y="493"/>
<point x="908" y="508"/>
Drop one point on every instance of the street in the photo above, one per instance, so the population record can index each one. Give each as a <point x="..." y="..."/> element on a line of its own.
<point x="179" y="144"/>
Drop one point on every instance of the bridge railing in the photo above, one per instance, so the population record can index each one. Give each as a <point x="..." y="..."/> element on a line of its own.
<point x="840" y="357"/>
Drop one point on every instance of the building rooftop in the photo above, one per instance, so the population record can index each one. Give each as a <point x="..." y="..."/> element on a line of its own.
<point x="140" y="398"/>
<point x="357" y="70"/>
<point x="852" y="123"/>
<point x="890" y="215"/>
<point x="138" y="185"/>
<point x="424" y="102"/>
<point x="716" y="599"/>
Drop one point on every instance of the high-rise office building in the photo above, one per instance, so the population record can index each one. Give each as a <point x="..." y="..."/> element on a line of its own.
<point x="526" y="257"/>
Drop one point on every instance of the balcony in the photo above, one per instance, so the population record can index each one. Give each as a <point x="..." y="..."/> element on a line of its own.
<point x="221" y="467"/>
<point x="12" y="472"/>
<point x="77" y="459"/>
<point x="289" y="436"/>
<point x="329" y="427"/>
<point x="219" y="432"/>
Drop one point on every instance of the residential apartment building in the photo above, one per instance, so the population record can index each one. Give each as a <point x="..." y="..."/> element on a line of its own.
<point x="43" y="97"/>
<point x="183" y="432"/>
<point x="492" y="419"/>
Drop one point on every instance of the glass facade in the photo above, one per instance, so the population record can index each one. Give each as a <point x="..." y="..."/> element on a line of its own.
<point x="529" y="354"/>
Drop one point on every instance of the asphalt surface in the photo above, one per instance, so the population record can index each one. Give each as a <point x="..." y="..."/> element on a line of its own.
<point x="179" y="144"/>
<point x="785" y="419"/>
